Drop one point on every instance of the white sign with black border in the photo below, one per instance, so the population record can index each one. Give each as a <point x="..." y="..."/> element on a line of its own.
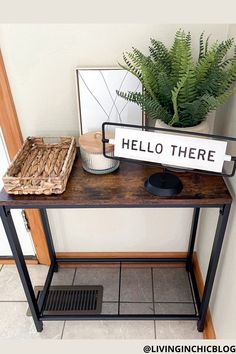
<point x="170" y="149"/>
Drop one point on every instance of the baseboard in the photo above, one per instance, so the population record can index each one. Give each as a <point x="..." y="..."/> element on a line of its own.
<point x="208" y="333"/>
<point x="121" y="254"/>
<point x="149" y="255"/>
<point x="10" y="260"/>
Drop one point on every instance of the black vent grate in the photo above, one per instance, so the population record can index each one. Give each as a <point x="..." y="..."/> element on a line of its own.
<point x="73" y="300"/>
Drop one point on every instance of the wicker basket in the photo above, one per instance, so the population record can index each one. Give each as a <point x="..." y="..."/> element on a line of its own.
<point x="42" y="166"/>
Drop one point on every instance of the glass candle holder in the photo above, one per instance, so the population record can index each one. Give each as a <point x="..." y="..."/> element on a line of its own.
<point x="93" y="160"/>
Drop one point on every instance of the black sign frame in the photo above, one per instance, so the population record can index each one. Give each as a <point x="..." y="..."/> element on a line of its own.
<point x="105" y="141"/>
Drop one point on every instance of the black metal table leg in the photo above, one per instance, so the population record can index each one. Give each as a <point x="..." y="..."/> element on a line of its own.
<point x="21" y="265"/>
<point x="192" y="237"/>
<point x="189" y="261"/>
<point x="215" y="254"/>
<point x="49" y="238"/>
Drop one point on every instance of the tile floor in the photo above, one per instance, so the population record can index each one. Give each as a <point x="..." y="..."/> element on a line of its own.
<point x="142" y="291"/>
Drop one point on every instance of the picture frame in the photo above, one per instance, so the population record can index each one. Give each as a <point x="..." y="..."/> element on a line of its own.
<point x="98" y="102"/>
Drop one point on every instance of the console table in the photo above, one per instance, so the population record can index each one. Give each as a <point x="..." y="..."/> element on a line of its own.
<point x="121" y="189"/>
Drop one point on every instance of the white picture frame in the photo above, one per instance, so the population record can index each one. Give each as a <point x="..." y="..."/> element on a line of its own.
<point x="98" y="102"/>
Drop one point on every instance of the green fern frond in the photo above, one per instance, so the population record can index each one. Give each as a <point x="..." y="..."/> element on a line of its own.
<point x="204" y="65"/>
<point x="175" y="88"/>
<point x="138" y="57"/>
<point x="139" y="63"/>
<point x="175" y="94"/>
<point x="164" y="87"/>
<point x="181" y="55"/>
<point x="188" y="40"/>
<point x="131" y="68"/>
<point x="215" y="102"/>
<point x="188" y="92"/>
<point x="159" y="53"/>
<point x="228" y="76"/>
<point x="130" y="96"/>
<point x="151" y="107"/>
<point x="206" y="45"/>
<point x="194" y="112"/>
<point x="223" y="48"/>
<point x="154" y="110"/>
<point x="201" y="47"/>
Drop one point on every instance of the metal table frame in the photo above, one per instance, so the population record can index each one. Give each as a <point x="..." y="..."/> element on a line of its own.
<point x="37" y="307"/>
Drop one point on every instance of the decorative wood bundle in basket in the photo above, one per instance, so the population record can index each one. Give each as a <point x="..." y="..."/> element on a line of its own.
<point x="42" y="166"/>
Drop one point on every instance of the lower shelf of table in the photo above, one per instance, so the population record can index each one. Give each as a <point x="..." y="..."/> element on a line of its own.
<point x="149" y="292"/>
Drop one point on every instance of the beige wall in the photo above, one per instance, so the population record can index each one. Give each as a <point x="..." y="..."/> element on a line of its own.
<point x="40" y="61"/>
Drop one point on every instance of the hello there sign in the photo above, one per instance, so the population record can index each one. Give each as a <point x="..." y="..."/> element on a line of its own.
<point x="170" y="149"/>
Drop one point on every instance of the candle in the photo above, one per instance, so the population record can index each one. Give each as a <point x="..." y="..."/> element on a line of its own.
<point x="93" y="160"/>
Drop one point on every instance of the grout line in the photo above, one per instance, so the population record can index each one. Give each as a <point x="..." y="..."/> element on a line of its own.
<point x="153" y="300"/>
<point x="119" y="290"/>
<point x="20" y="301"/>
<point x="174" y="302"/>
<point x="155" y="331"/>
<point x="73" y="280"/>
<point x="63" y="328"/>
<point x="128" y="302"/>
<point x="150" y="302"/>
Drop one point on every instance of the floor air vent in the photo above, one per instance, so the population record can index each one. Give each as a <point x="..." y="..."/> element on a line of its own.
<point x="73" y="300"/>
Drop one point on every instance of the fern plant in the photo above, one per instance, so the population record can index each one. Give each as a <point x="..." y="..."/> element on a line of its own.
<point x="176" y="89"/>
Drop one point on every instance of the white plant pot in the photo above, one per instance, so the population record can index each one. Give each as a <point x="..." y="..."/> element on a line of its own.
<point x="205" y="127"/>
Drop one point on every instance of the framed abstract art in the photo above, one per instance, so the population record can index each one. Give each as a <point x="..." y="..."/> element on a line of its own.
<point x="98" y="101"/>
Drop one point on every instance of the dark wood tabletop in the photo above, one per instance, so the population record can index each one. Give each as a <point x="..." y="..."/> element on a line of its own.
<point x="125" y="188"/>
